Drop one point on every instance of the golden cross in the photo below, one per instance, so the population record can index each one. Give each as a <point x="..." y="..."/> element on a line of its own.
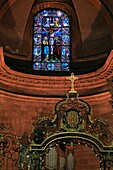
<point x="72" y="78"/>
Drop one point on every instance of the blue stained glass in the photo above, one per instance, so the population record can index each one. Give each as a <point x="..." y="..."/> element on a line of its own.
<point x="37" y="50"/>
<point x="44" y="12"/>
<point x="51" y="41"/>
<point x="65" y="51"/>
<point x="37" y="58"/>
<point x="46" y="49"/>
<point x="56" y="22"/>
<point x="37" y="39"/>
<point x="65" y="67"/>
<point x="59" y="13"/>
<point x="34" y="66"/>
<point x="53" y="12"/>
<point x="65" y="59"/>
<point x="65" y="30"/>
<point x="65" y="21"/>
<point x="44" y="66"/>
<point x="45" y="32"/>
<point x="38" y="21"/>
<point x="37" y="66"/>
<point x="51" y="66"/>
<point x="46" y="22"/>
<point x="37" y="30"/>
<point x="58" y="66"/>
<point x="65" y="40"/>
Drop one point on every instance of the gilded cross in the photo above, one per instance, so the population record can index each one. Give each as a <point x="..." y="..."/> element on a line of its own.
<point x="72" y="78"/>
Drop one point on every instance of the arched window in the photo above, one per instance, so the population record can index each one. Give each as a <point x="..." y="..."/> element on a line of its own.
<point x="51" y="41"/>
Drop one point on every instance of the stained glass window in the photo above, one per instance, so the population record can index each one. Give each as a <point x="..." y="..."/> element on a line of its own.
<point x="51" y="41"/>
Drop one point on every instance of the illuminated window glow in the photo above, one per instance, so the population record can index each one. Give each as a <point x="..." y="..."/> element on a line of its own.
<point x="51" y="41"/>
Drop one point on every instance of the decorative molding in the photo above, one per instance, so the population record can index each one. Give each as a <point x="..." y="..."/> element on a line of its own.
<point x="52" y="85"/>
<point x="71" y="115"/>
<point x="71" y="126"/>
<point x="110" y="81"/>
<point x="9" y="147"/>
<point x="53" y="4"/>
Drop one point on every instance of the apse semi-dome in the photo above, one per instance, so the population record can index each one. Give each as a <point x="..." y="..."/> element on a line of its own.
<point x="91" y="33"/>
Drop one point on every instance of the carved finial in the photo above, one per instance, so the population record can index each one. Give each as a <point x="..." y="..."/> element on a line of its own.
<point x="72" y="78"/>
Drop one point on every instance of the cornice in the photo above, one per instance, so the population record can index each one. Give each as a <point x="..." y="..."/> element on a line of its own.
<point x="18" y="98"/>
<point x="87" y="84"/>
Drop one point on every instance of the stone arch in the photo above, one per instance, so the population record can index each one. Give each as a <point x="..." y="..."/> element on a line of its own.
<point x="70" y="137"/>
<point x="80" y="138"/>
<point x="75" y="30"/>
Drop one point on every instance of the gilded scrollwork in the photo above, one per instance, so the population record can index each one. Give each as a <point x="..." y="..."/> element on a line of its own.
<point x="9" y="146"/>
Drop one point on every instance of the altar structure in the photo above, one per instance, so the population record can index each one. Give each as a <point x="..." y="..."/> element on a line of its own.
<point x="53" y="143"/>
<point x="47" y="121"/>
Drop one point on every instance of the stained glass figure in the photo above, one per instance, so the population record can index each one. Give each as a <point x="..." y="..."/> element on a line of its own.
<point x="51" y="41"/>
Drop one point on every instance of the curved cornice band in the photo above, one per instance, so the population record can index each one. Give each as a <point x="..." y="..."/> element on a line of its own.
<point x="87" y="84"/>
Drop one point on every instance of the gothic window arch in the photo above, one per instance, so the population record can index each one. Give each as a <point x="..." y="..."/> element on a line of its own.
<point x="51" y="40"/>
